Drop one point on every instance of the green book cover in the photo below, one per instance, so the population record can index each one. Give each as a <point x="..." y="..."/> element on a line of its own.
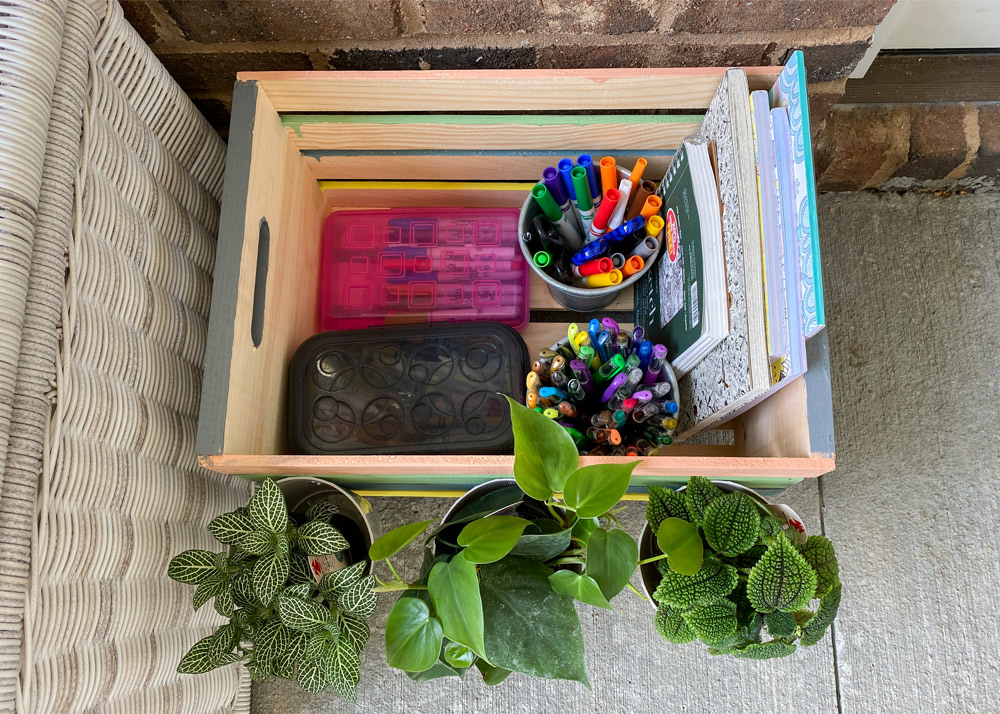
<point x="673" y="292"/>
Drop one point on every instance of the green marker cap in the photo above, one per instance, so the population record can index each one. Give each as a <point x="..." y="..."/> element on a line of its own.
<point x="542" y="258"/>
<point x="580" y="183"/>
<point x="545" y="201"/>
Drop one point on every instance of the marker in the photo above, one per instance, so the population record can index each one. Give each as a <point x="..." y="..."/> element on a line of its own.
<point x="654" y="226"/>
<point x="583" y="338"/>
<point x="594" y="267"/>
<point x="670" y="407"/>
<point x="565" y="171"/>
<point x="635" y="376"/>
<point x="590" y="251"/>
<point x="567" y="409"/>
<point x="637" y="334"/>
<point x="603" y="345"/>
<point x="594" y="329"/>
<point x="655" y="364"/>
<point x="600" y="225"/>
<point x="533" y="381"/>
<point x="584" y="203"/>
<point x="661" y="389"/>
<point x="552" y="393"/>
<point x="644" y="191"/>
<point x="651" y="207"/>
<point x="531" y="400"/>
<point x="542" y="259"/>
<point x="558" y="362"/>
<point x="632" y="362"/>
<point x="618" y="215"/>
<point x="551" y="413"/>
<point x="552" y="211"/>
<point x="611" y="325"/>
<point x="626" y="229"/>
<point x="646" y="248"/>
<point x="609" y="173"/>
<point x="608" y="370"/>
<point x="645" y="352"/>
<point x="618" y="380"/>
<point x="576" y="392"/>
<point x="553" y="182"/>
<point x="643" y="396"/>
<point x="601" y="280"/>
<point x="589" y="356"/>
<point x="559" y="379"/>
<point x="582" y="375"/>
<point x="596" y="195"/>
<point x="636" y="177"/>
<point x="632" y="266"/>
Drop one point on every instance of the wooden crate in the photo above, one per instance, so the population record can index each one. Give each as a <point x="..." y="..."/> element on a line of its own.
<point x="304" y="143"/>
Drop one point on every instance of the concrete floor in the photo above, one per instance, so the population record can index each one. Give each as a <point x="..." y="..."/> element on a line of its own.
<point x="913" y="309"/>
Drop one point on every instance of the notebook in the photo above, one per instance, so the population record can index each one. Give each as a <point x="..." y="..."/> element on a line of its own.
<point x="686" y="298"/>
<point x="737" y="371"/>
<point x="786" y="200"/>
<point x="772" y="244"/>
<point x="789" y="91"/>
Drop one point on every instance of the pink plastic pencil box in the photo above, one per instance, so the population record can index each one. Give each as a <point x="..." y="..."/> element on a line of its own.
<point x="398" y="266"/>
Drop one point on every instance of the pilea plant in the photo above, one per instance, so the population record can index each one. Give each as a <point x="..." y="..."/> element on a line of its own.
<point x="282" y="622"/>
<point x="500" y="576"/>
<point x="732" y="571"/>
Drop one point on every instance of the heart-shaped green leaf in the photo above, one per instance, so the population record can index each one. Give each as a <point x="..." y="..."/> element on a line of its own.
<point x="458" y="656"/>
<point x="530" y="627"/>
<point x="454" y="590"/>
<point x="611" y="559"/>
<point x="547" y="544"/>
<point x="412" y="637"/>
<point x="395" y="540"/>
<point x="579" y="587"/>
<point x="594" y="490"/>
<point x="489" y="539"/>
<point x="544" y="452"/>
<point x="682" y="544"/>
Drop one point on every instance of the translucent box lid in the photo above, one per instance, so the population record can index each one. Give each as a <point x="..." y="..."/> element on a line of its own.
<point x="406" y="265"/>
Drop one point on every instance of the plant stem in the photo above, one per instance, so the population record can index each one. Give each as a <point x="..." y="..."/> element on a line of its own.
<point x="396" y="587"/>
<point x="612" y="517"/>
<point x="552" y="510"/>
<point x="389" y="563"/>
<point x="661" y="556"/>
<point x="633" y="589"/>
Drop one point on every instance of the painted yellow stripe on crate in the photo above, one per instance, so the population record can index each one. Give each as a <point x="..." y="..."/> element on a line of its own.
<point x="426" y="185"/>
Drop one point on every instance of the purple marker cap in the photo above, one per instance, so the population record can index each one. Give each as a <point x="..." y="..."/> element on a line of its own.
<point x="611" y="326"/>
<point x="550" y="177"/>
<point x="659" y="351"/>
<point x="643" y="396"/>
<point x="637" y="334"/>
<point x="618" y="381"/>
<point x="565" y="169"/>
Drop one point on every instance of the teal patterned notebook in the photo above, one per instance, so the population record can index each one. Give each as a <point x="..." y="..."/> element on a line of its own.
<point x="790" y="92"/>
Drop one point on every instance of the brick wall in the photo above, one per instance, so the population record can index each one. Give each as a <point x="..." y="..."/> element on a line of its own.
<point x="203" y="43"/>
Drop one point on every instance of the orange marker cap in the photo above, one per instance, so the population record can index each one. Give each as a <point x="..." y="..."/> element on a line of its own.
<point x="609" y="173"/>
<point x="633" y="265"/>
<point x="651" y="207"/>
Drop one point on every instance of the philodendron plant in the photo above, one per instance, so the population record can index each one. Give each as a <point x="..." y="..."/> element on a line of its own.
<point x="499" y="579"/>
<point x="282" y="622"/>
<point x="733" y="571"/>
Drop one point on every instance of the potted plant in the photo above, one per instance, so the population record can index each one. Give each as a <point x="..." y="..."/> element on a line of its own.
<point x="296" y="600"/>
<point x="726" y="567"/>
<point x="501" y="572"/>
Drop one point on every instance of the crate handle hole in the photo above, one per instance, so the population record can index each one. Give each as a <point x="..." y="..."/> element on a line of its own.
<point x="260" y="283"/>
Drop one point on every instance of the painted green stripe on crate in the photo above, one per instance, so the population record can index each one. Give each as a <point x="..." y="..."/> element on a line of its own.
<point x="297" y="121"/>
<point x="461" y="482"/>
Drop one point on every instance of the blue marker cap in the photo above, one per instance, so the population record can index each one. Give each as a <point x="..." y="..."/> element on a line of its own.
<point x="552" y="393"/>
<point x="550" y="177"/>
<point x="645" y="352"/>
<point x="670" y="407"/>
<point x="626" y="229"/>
<point x="593" y="328"/>
<point x="588" y="163"/>
<point x="565" y="167"/>
<point x="590" y="251"/>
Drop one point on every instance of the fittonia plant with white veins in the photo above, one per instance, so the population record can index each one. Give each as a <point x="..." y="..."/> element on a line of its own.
<point x="282" y="622"/>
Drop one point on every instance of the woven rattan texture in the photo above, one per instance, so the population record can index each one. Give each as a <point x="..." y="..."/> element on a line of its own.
<point x="103" y="418"/>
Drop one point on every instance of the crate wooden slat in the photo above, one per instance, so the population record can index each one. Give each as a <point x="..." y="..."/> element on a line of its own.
<point x="278" y="170"/>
